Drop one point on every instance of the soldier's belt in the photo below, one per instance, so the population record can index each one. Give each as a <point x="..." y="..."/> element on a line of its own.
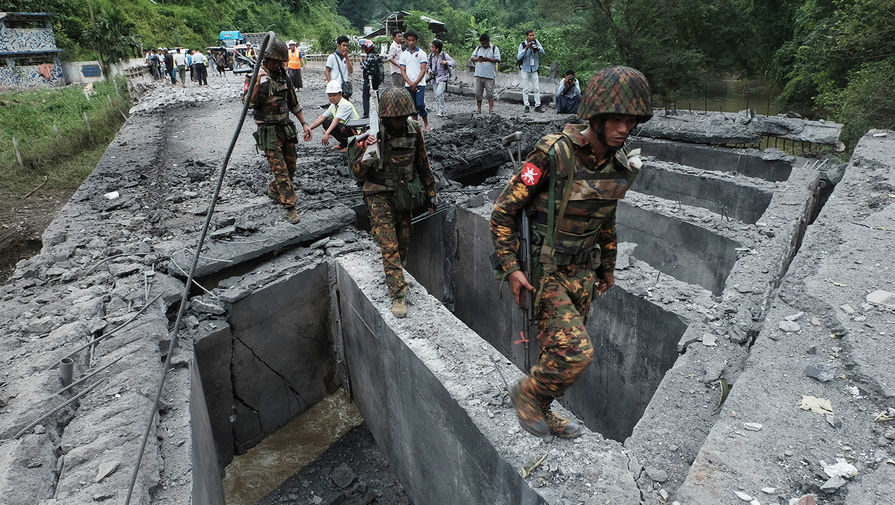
<point x="579" y="258"/>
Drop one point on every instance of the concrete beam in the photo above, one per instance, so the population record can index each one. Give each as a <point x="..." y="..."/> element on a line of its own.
<point x="737" y="128"/>
<point x="430" y="395"/>
<point x="832" y="325"/>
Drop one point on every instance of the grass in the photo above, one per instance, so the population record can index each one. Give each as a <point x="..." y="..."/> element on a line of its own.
<point x="67" y="153"/>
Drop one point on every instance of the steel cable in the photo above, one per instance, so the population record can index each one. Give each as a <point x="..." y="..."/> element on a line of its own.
<point x="186" y="289"/>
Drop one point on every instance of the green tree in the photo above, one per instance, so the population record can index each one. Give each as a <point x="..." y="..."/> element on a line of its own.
<point x="111" y="37"/>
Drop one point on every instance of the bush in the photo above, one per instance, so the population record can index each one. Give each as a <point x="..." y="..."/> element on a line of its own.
<point x="868" y="101"/>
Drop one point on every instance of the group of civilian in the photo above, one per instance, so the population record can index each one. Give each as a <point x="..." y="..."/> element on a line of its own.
<point x="179" y="61"/>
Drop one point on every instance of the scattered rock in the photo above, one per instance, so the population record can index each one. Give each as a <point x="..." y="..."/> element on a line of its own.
<point x="833" y="421"/>
<point x="789" y="326"/>
<point x="656" y="474"/>
<point x="838" y="473"/>
<point x="808" y="499"/>
<point x="769" y="490"/>
<point x="202" y="306"/>
<point x="848" y="309"/>
<point x="743" y="496"/>
<point x="794" y="317"/>
<point x="342" y="475"/>
<point x="709" y="340"/>
<point x="753" y="426"/>
<point x="103" y="496"/>
<point x="823" y="372"/>
<point x="881" y="297"/>
<point x="106" y="469"/>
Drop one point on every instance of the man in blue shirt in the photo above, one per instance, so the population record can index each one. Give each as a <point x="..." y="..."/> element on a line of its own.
<point x="527" y="57"/>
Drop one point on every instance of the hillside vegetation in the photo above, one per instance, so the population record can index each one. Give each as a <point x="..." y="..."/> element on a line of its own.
<point x="187" y="23"/>
<point x="830" y="58"/>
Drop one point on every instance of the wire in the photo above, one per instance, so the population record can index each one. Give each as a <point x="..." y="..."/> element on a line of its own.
<point x="186" y="287"/>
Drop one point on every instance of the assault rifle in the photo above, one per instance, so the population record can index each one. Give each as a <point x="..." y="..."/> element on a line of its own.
<point x="524" y="250"/>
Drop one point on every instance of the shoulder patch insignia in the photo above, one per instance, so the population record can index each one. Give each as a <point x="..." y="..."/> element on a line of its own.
<point x="530" y="174"/>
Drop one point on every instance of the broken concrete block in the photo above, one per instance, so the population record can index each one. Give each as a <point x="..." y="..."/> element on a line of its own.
<point x="789" y="326"/>
<point x="821" y="371"/>
<point x="106" y="469"/>
<point x="881" y="297"/>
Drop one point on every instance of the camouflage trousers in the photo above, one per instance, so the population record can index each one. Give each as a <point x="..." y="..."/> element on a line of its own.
<point x="282" y="161"/>
<point x="561" y="306"/>
<point x="391" y="230"/>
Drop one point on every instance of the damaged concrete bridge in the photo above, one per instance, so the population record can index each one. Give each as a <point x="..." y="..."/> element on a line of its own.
<point x="750" y="283"/>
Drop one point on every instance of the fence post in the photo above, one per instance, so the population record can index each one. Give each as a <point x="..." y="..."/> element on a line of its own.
<point x="15" y="145"/>
<point x="86" y="122"/>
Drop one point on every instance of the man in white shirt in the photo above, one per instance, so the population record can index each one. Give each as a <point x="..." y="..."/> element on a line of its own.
<point x="200" y="68"/>
<point x="394" y="57"/>
<point x="180" y="62"/>
<point x="338" y="65"/>
<point x="334" y="119"/>
<point x="413" y="71"/>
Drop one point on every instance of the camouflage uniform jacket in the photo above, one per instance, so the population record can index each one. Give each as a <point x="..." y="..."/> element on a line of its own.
<point x="402" y="156"/>
<point x="276" y="98"/>
<point x="586" y="234"/>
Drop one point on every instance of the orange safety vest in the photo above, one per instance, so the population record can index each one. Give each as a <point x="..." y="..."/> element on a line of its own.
<point x="294" y="58"/>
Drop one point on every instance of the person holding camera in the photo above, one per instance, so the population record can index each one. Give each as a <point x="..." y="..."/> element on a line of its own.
<point x="486" y="57"/>
<point x="440" y="65"/>
<point x="527" y="58"/>
<point x="568" y="94"/>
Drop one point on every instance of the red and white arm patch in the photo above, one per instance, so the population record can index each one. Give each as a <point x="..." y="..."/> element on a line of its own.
<point x="530" y="174"/>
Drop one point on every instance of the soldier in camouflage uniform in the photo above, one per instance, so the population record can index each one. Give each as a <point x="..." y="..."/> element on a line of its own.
<point x="590" y="173"/>
<point x="404" y="165"/>
<point x="273" y="98"/>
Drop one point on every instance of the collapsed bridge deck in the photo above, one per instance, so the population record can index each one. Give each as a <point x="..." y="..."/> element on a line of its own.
<point x="708" y="236"/>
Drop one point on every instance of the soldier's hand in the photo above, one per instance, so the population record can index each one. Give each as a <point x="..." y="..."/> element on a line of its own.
<point x="307" y="135"/>
<point x="607" y="280"/>
<point x="433" y="204"/>
<point x="518" y="283"/>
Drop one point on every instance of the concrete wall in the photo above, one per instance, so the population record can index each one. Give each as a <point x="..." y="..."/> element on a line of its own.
<point x="635" y="340"/>
<point x="273" y="361"/>
<point x="740" y="201"/>
<point x="774" y="166"/>
<point x="507" y="86"/>
<point x="15" y="77"/>
<point x="680" y="249"/>
<point x="207" y="476"/>
<point x="635" y="343"/>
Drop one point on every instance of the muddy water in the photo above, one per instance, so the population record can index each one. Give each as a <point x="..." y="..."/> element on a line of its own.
<point x="256" y="473"/>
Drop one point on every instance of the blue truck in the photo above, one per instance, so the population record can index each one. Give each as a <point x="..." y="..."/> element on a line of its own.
<point x="231" y="38"/>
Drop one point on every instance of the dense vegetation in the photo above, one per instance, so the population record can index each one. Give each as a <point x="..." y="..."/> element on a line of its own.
<point x="828" y="58"/>
<point x="831" y="58"/>
<point x="61" y="134"/>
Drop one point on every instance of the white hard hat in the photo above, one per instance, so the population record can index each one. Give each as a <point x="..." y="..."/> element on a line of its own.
<point x="333" y="86"/>
<point x="290" y="43"/>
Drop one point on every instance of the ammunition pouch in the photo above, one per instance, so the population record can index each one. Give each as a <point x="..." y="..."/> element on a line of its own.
<point x="267" y="134"/>
<point x="409" y="195"/>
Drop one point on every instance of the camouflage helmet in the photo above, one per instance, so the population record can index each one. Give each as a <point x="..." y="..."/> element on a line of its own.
<point x="395" y="102"/>
<point x="276" y="49"/>
<point x="617" y="90"/>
